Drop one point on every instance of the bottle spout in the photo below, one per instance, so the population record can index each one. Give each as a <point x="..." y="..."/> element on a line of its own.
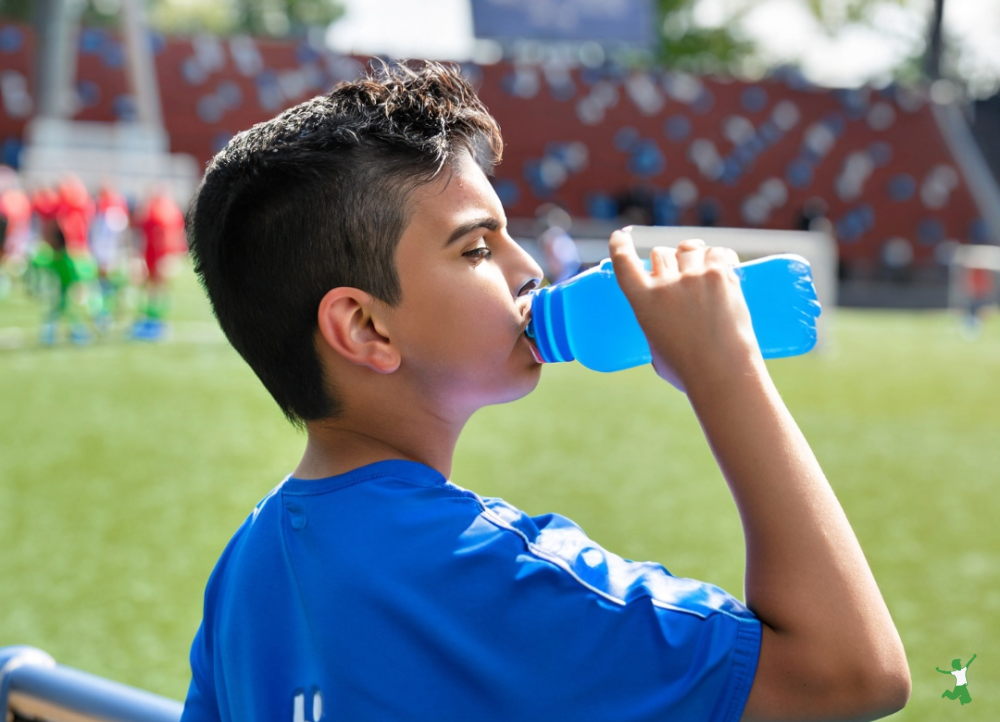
<point x="546" y="329"/>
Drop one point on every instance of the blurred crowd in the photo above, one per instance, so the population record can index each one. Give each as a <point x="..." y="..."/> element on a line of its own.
<point x="97" y="266"/>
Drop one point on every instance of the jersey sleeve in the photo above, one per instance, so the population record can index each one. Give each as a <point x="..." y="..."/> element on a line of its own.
<point x="623" y="640"/>
<point x="200" y="704"/>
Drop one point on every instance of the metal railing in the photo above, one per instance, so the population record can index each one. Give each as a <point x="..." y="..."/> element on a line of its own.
<point x="34" y="687"/>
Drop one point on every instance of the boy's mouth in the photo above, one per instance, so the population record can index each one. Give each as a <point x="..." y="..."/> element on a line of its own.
<point x="531" y="342"/>
<point x="528" y="331"/>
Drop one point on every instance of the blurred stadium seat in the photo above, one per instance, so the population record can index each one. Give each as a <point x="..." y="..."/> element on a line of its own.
<point x="609" y="143"/>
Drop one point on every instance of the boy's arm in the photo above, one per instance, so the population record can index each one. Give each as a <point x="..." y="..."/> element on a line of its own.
<point x="969" y="663"/>
<point x="829" y="648"/>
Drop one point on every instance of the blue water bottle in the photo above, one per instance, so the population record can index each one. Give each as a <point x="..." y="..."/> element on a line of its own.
<point x="588" y="319"/>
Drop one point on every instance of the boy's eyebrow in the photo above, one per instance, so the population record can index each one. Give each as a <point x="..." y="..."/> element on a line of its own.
<point x="488" y="222"/>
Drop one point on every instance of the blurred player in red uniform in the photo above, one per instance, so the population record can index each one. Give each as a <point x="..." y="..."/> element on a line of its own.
<point x="981" y="294"/>
<point x="44" y="205"/>
<point x="15" y="229"/>
<point x="65" y="217"/>
<point x="107" y="245"/>
<point x="162" y="225"/>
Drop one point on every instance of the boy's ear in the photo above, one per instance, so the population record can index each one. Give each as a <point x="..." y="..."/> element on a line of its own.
<point x="350" y="325"/>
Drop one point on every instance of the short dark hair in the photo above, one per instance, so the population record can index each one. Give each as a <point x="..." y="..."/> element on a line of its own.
<point x="317" y="198"/>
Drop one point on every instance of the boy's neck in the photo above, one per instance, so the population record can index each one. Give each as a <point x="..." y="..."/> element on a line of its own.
<point x="336" y="446"/>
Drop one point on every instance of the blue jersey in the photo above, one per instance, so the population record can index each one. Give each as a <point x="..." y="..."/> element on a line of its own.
<point x="389" y="593"/>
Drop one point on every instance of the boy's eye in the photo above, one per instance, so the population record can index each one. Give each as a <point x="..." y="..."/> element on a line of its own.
<point x="480" y="253"/>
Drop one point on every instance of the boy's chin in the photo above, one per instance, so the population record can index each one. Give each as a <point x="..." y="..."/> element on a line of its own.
<point x="523" y="386"/>
<point x="514" y="389"/>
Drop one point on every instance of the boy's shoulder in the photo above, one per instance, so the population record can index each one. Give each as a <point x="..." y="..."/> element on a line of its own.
<point x="394" y="578"/>
<point x="399" y="522"/>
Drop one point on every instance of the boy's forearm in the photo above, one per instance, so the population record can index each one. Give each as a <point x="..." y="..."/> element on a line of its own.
<point x="796" y="532"/>
<point x="806" y="576"/>
<point x="829" y="649"/>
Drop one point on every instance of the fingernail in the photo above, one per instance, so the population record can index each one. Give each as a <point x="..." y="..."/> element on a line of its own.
<point x="627" y="229"/>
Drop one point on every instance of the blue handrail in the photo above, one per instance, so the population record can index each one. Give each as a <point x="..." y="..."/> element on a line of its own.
<point x="31" y="682"/>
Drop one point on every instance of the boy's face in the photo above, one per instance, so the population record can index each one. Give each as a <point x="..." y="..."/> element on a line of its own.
<point x="465" y="303"/>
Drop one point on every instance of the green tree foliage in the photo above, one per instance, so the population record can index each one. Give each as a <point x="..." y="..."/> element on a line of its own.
<point x="688" y="45"/>
<point x="274" y="18"/>
<point x="834" y="15"/>
<point x="21" y="10"/>
<point x="281" y="17"/>
<point x="219" y="17"/>
<point x="92" y="12"/>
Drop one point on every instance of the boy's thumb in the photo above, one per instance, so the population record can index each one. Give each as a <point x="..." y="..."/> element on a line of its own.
<point x="628" y="267"/>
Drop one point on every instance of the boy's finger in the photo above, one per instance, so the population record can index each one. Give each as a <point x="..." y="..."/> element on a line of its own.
<point x="690" y="244"/>
<point x="691" y="256"/>
<point x="628" y="267"/>
<point x="663" y="260"/>
<point x="723" y="256"/>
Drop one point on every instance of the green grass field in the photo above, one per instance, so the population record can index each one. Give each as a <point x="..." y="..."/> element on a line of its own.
<point x="125" y="468"/>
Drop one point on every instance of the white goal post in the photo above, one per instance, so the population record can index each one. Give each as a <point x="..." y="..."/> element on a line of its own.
<point x="819" y="248"/>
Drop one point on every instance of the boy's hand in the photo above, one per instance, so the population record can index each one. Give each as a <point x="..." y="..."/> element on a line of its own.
<point x="829" y="649"/>
<point x="691" y="309"/>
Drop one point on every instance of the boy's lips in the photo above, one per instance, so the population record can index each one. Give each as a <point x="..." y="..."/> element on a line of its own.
<point x="533" y="347"/>
<point x="529" y="339"/>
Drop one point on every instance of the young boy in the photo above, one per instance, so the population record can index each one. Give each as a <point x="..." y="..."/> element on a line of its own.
<point x="356" y="256"/>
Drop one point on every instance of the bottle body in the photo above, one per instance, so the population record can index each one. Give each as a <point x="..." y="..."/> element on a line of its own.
<point x="588" y="319"/>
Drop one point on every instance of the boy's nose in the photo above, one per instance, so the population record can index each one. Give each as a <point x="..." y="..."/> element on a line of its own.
<point x="525" y="274"/>
<point x="528" y="287"/>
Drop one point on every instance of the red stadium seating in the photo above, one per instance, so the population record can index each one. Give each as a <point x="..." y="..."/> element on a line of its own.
<point x="656" y="147"/>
